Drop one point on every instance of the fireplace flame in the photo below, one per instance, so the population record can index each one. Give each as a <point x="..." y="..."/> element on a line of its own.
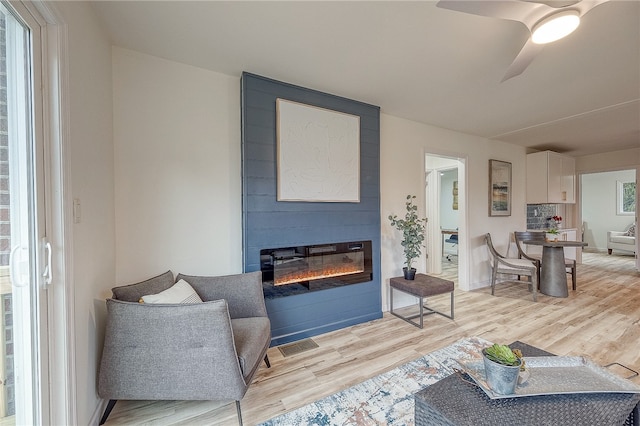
<point x="327" y="272"/>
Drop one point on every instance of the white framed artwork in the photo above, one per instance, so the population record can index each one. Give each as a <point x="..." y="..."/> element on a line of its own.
<point x="318" y="154"/>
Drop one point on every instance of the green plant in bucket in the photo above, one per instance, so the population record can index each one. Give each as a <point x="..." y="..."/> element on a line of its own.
<point x="502" y="354"/>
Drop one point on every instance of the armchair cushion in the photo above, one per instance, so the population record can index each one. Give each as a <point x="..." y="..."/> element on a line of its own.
<point x="133" y="292"/>
<point x="243" y="292"/>
<point x="248" y="336"/>
<point x="180" y="292"/>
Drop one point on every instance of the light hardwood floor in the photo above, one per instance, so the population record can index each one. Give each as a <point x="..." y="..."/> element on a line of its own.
<point x="601" y="319"/>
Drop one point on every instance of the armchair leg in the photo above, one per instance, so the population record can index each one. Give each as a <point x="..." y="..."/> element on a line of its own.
<point x="107" y="411"/>
<point x="239" y="413"/>
<point x="573" y="277"/>
<point x="266" y="359"/>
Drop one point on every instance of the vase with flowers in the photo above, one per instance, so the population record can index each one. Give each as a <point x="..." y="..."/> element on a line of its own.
<point x="556" y="222"/>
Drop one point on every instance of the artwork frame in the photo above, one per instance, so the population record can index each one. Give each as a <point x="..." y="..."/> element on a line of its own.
<point x="318" y="154"/>
<point x="499" y="188"/>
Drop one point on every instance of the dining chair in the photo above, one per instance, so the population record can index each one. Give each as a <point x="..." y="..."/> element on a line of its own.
<point x="453" y="240"/>
<point x="512" y="266"/>
<point x="520" y="236"/>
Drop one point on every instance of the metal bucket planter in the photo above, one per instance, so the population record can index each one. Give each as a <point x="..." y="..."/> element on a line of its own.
<point x="502" y="379"/>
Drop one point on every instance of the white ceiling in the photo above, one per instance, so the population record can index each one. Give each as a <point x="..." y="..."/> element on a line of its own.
<point x="580" y="96"/>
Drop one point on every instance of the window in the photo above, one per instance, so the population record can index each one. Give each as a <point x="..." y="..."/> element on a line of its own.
<point x="626" y="199"/>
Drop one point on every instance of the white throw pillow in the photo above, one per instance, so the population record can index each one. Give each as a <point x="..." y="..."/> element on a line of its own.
<point x="181" y="292"/>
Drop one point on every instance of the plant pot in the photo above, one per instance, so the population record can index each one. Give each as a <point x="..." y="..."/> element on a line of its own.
<point x="409" y="274"/>
<point x="502" y="379"/>
<point x="552" y="237"/>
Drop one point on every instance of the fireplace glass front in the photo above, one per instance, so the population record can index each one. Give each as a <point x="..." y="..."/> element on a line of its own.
<point x="294" y="270"/>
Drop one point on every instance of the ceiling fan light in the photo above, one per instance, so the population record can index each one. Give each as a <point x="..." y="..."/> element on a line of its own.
<point x="555" y="27"/>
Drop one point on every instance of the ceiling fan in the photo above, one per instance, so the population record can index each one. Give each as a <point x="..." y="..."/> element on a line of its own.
<point x="547" y="21"/>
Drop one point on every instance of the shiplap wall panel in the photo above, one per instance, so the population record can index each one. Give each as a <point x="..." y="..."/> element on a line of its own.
<point x="268" y="223"/>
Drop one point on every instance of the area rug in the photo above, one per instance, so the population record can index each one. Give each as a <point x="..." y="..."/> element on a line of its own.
<point x="386" y="399"/>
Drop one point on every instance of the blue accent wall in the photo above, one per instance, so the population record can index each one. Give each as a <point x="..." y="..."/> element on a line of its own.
<point x="268" y="223"/>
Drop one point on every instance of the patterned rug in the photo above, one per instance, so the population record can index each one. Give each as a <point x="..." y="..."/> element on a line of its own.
<point x="386" y="399"/>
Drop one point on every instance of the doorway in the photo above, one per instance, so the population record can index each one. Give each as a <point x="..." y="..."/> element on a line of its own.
<point x="608" y="202"/>
<point x="445" y="207"/>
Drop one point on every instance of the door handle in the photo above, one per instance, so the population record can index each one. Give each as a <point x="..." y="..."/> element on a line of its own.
<point x="46" y="274"/>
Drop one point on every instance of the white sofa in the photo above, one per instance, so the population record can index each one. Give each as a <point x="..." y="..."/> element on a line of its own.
<point x="622" y="240"/>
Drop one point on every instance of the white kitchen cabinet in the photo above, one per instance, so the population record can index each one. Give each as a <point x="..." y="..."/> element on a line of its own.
<point x="551" y="178"/>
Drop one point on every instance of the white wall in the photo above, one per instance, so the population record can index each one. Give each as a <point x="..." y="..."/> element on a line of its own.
<point x="177" y="155"/>
<point x="615" y="160"/>
<point x="448" y="216"/>
<point x="177" y="174"/>
<point x="176" y="142"/>
<point x="403" y="147"/>
<point x="90" y="160"/>
<point x="599" y="202"/>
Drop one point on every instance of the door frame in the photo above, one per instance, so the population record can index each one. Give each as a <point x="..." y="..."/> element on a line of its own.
<point x="578" y="213"/>
<point x="434" y="235"/>
<point x="58" y="220"/>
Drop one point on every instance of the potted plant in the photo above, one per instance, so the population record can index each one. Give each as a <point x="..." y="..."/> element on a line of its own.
<point x="413" y="230"/>
<point x="502" y="368"/>
<point x="552" y="235"/>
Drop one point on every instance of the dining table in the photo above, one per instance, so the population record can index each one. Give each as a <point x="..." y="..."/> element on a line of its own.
<point x="553" y="272"/>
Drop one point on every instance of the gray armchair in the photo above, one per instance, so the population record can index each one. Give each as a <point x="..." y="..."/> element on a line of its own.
<point x="201" y="351"/>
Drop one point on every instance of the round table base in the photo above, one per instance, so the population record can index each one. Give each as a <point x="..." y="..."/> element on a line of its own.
<point x="553" y="274"/>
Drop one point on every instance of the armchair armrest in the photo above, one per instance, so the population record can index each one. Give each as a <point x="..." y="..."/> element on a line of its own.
<point x="615" y="234"/>
<point x="243" y="292"/>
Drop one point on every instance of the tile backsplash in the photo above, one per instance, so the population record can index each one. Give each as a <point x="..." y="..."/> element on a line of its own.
<point x="538" y="215"/>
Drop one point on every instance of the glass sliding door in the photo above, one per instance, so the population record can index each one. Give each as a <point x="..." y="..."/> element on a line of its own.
<point x="23" y="370"/>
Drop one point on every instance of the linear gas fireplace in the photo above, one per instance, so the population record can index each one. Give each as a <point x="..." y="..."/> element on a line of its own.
<point x="295" y="270"/>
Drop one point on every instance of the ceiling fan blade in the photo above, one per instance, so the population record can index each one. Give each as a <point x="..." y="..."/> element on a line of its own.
<point x="514" y="10"/>
<point x="586" y="5"/>
<point x="556" y="4"/>
<point x="524" y="58"/>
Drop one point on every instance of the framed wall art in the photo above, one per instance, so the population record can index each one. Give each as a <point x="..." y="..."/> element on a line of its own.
<point x="318" y="154"/>
<point x="499" y="188"/>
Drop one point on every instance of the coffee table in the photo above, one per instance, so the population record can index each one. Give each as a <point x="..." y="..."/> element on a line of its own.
<point x="454" y="401"/>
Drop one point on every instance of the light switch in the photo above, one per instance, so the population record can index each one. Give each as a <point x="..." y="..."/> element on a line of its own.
<point x="77" y="213"/>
